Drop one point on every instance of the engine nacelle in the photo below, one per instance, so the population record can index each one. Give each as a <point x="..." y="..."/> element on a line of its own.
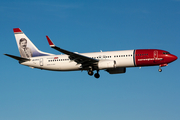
<point x="116" y="70"/>
<point x="106" y="64"/>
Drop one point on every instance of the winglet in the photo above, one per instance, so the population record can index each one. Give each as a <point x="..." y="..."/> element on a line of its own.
<point x="50" y="42"/>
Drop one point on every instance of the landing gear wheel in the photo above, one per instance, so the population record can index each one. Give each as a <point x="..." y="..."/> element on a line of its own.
<point x="160" y="70"/>
<point x="96" y="75"/>
<point x="90" y="73"/>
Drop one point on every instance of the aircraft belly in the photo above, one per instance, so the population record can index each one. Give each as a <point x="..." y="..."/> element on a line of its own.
<point x="69" y="66"/>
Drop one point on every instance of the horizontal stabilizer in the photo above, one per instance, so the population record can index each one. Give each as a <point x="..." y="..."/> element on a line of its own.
<point x="17" y="58"/>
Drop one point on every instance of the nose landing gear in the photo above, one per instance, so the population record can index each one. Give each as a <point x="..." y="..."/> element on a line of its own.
<point x="162" y="65"/>
<point x="160" y="70"/>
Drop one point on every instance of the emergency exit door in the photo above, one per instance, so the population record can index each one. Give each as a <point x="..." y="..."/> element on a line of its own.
<point x="41" y="62"/>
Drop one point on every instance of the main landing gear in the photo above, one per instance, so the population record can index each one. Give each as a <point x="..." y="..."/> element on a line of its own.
<point x="90" y="73"/>
<point x="96" y="75"/>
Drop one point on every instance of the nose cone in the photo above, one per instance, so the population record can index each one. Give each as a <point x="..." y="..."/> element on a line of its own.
<point x="170" y="58"/>
<point x="174" y="57"/>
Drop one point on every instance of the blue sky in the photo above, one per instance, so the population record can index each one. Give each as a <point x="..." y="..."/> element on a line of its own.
<point x="90" y="26"/>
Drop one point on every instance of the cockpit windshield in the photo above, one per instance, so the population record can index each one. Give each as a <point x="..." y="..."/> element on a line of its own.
<point x="166" y="53"/>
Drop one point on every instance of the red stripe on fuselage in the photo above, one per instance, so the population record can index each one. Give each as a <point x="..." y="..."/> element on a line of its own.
<point x="150" y="57"/>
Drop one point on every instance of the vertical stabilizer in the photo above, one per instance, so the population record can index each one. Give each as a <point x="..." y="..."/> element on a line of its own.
<point x="26" y="48"/>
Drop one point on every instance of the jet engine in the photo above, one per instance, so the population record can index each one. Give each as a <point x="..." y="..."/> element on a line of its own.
<point x="107" y="64"/>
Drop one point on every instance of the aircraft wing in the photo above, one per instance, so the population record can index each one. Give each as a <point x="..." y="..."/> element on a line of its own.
<point x="78" y="58"/>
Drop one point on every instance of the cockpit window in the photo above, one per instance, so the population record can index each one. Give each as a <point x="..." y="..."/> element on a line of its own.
<point x="166" y="53"/>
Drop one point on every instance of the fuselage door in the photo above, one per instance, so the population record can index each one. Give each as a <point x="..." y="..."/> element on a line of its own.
<point x="41" y="61"/>
<point x="155" y="56"/>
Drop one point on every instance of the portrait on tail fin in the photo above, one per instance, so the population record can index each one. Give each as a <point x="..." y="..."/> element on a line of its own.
<point x="25" y="51"/>
<point x="26" y="48"/>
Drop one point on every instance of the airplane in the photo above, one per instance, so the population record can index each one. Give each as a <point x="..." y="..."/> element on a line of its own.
<point x="114" y="62"/>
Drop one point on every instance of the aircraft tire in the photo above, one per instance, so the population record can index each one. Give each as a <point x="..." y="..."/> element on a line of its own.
<point x="90" y="73"/>
<point x="96" y="75"/>
<point x="160" y="70"/>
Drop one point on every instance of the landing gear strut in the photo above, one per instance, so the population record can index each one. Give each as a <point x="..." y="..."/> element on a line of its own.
<point x="160" y="70"/>
<point x="90" y="72"/>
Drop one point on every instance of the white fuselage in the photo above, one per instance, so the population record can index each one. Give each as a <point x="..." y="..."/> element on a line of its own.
<point x="123" y="58"/>
<point x="114" y="62"/>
